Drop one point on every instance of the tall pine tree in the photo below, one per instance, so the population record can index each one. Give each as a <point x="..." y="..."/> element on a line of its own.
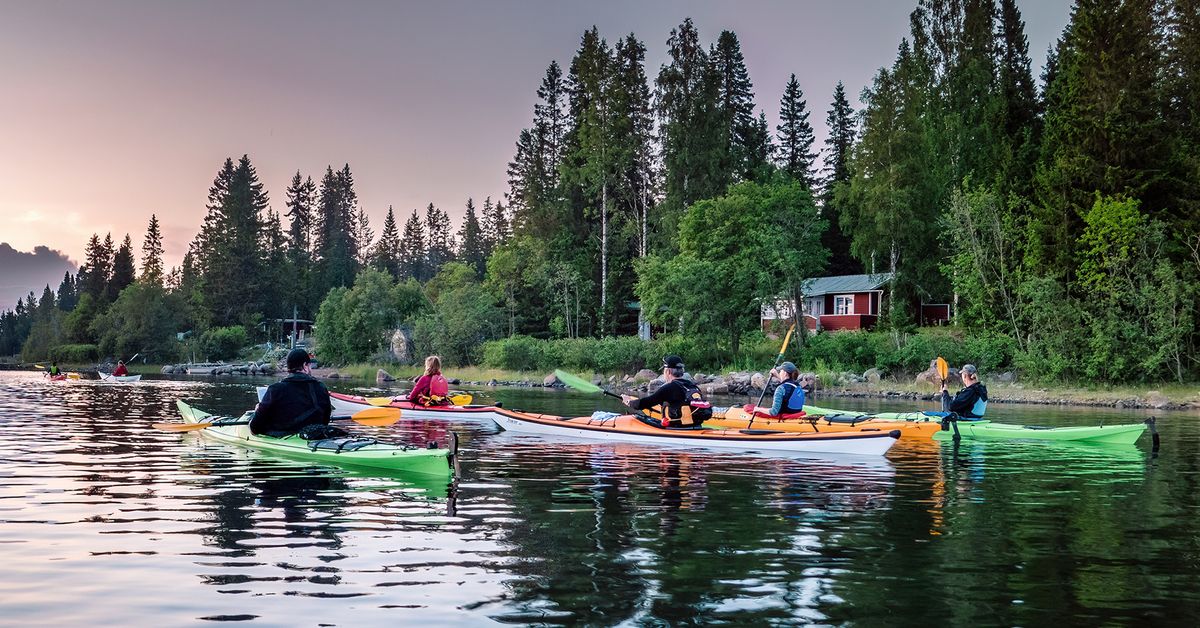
<point x="439" y="249"/>
<point x="152" y="252"/>
<point x="838" y="144"/>
<point x="386" y="254"/>
<point x="795" y="135"/>
<point x="414" y="251"/>
<point x="124" y="272"/>
<point x="471" y="244"/>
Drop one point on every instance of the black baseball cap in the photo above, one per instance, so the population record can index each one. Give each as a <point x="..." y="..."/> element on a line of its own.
<point x="296" y="359"/>
<point x="673" y="362"/>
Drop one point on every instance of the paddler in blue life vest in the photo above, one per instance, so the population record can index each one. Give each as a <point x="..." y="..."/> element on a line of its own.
<point x="789" y="394"/>
<point x="677" y="403"/>
<point x="299" y="400"/>
<point x="971" y="401"/>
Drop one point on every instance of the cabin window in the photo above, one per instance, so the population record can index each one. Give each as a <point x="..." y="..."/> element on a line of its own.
<point x="843" y="304"/>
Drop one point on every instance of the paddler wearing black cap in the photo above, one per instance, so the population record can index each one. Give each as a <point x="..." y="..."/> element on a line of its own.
<point x="678" y="400"/>
<point x="296" y="401"/>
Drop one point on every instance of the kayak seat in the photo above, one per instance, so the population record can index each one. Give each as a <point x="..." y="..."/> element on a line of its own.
<point x="341" y="444"/>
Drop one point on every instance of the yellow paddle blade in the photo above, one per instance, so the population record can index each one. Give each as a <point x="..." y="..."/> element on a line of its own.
<point x="180" y="427"/>
<point x="38" y="366"/>
<point x="461" y="399"/>
<point x="943" y="369"/>
<point x="380" y="401"/>
<point x="377" y="417"/>
<point x="72" y="375"/>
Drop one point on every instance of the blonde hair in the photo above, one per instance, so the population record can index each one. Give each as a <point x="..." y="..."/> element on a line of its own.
<point x="433" y="365"/>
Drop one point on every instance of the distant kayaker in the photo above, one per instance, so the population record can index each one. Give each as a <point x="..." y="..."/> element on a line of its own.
<point x="297" y="401"/>
<point x="789" y="395"/>
<point x="971" y="401"/>
<point x="120" y="371"/>
<point x="53" y="370"/>
<point x="431" y="389"/>
<point x="678" y="402"/>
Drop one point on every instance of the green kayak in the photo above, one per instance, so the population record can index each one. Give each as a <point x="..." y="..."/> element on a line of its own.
<point x="352" y="452"/>
<point x="1123" y="434"/>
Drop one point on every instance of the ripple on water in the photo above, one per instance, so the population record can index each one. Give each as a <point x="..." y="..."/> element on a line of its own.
<point x="106" y="520"/>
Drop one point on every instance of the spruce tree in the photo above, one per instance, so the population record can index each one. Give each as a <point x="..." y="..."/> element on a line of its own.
<point x="152" y="252"/>
<point x="67" y="295"/>
<point x="1020" y="115"/>
<point x="692" y="138"/>
<point x="301" y="195"/>
<point x="279" y="294"/>
<point x="334" y="248"/>
<point x="795" y="135"/>
<point x="838" y="144"/>
<point x="471" y="244"/>
<point x="439" y="248"/>
<point x="124" y="272"/>
<point x="634" y="117"/>
<point x="386" y="254"/>
<point x="1094" y="142"/>
<point x="739" y="134"/>
<point x="232" y="281"/>
<point x="495" y="226"/>
<point x="413" y="250"/>
<point x="96" y="269"/>
<point x="533" y="172"/>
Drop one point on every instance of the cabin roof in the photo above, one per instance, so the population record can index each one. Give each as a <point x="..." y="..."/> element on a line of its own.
<point x="845" y="284"/>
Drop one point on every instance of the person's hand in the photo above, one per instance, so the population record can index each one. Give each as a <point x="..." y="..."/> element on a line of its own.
<point x="628" y="399"/>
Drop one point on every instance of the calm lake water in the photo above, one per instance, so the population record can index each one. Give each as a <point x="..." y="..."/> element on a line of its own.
<point x="106" y="520"/>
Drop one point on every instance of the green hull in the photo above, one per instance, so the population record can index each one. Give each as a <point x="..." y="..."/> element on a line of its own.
<point x="377" y="456"/>
<point x="1125" y="434"/>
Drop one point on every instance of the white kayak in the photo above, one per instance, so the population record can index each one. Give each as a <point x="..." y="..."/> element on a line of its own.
<point x="128" y="379"/>
<point x="629" y="429"/>
<point x="348" y="405"/>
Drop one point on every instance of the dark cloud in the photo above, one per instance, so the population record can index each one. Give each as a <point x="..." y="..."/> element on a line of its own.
<point x="22" y="272"/>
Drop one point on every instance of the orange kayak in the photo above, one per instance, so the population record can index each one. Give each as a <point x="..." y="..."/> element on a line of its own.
<point x="737" y="418"/>
<point x="627" y="428"/>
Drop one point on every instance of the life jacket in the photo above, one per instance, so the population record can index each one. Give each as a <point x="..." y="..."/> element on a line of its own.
<point x="793" y="403"/>
<point x="54" y="370"/>
<point x="439" y="389"/>
<point x="691" y="414"/>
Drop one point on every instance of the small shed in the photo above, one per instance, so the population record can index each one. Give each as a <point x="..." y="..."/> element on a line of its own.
<point x="834" y="303"/>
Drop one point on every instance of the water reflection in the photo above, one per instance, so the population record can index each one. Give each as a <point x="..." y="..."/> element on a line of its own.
<point x="100" y="517"/>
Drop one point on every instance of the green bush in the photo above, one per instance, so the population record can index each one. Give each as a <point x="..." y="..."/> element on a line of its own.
<point x="518" y="353"/>
<point x="75" y="354"/>
<point x="221" y="343"/>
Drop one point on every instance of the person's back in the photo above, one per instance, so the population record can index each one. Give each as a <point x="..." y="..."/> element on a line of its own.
<point x="971" y="401"/>
<point x="293" y="403"/>
<point x="120" y="371"/>
<point x="431" y="388"/>
<point x="677" y="403"/>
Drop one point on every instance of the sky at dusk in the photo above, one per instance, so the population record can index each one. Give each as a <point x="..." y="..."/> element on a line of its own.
<point x="114" y="110"/>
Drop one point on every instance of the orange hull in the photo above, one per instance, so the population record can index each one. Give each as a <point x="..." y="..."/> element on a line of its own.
<point x="736" y="418"/>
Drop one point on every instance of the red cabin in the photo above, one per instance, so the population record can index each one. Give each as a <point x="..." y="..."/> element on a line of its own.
<point x="834" y="303"/>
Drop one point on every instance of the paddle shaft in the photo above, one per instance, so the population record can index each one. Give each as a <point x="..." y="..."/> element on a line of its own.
<point x="771" y="374"/>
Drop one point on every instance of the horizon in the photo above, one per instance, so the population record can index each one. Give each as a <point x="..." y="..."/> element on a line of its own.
<point x="128" y="108"/>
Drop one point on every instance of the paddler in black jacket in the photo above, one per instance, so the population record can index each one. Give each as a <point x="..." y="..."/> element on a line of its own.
<point x="291" y="404"/>
<point x="673" y="396"/>
<point x="971" y="401"/>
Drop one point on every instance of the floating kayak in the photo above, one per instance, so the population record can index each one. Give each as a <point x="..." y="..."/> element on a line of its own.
<point x="353" y="451"/>
<point x="1122" y="434"/>
<point x="58" y="378"/>
<point x="627" y="428"/>
<point x="737" y="418"/>
<point x="1125" y="434"/>
<point x="347" y="405"/>
<point x="108" y="377"/>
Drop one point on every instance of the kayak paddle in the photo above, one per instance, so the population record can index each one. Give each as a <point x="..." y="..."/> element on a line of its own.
<point x="580" y="384"/>
<point x="373" y="417"/>
<point x="458" y="399"/>
<point x="943" y="369"/>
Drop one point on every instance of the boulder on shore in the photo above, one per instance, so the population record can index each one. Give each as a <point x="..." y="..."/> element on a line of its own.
<point x="167" y="369"/>
<point x="551" y="380"/>
<point x="872" y="375"/>
<point x="644" y="375"/>
<point x="715" y="388"/>
<point x="1155" y="399"/>
<point x="383" y="376"/>
<point x="758" y="380"/>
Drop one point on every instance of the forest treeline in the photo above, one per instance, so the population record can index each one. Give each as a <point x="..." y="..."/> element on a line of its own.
<point x="1058" y="213"/>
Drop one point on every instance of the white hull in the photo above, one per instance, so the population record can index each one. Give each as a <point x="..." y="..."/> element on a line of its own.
<point x="875" y="446"/>
<point x="128" y="379"/>
<point x="343" y="409"/>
